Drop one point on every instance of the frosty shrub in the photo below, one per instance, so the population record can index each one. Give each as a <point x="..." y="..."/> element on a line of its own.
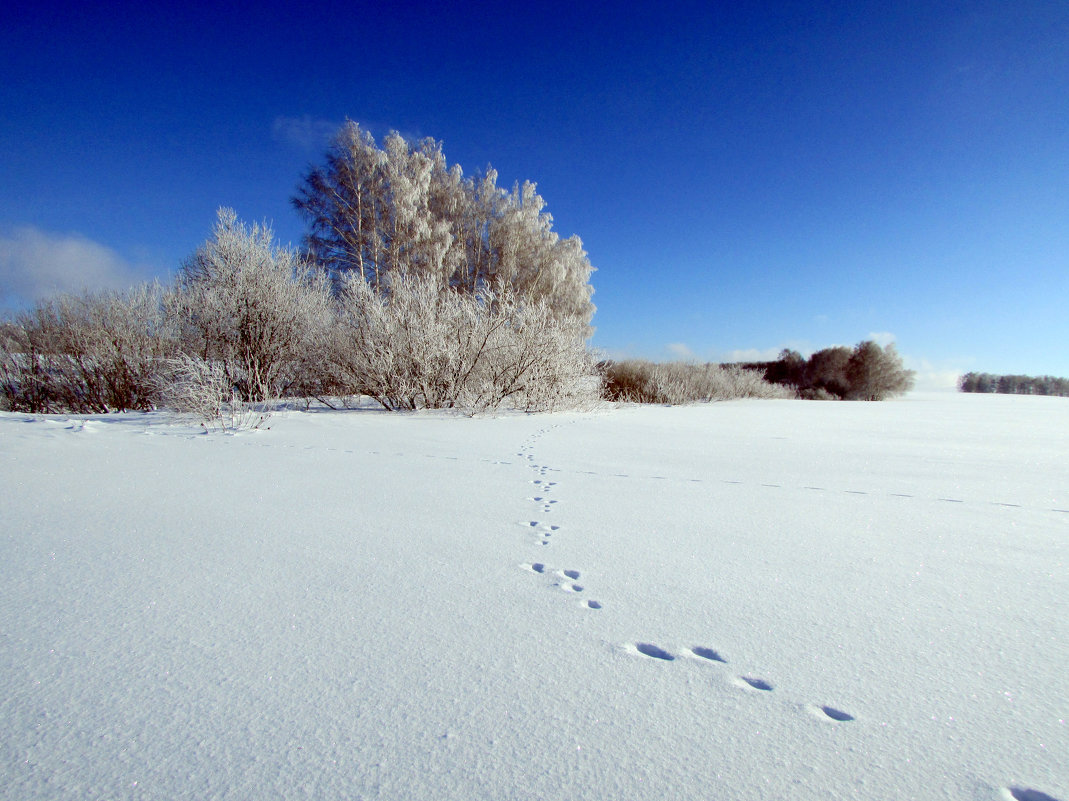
<point x="202" y="390"/>
<point x="640" y="381"/>
<point x="255" y="311"/>
<point x="87" y="354"/>
<point x="419" y="346"/>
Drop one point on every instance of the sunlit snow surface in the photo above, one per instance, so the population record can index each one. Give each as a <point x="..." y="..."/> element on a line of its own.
<point x="745" y="600"/>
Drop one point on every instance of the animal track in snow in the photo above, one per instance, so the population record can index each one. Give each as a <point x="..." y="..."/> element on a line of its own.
<point x="1027" y="794"/>
<point x="755" y="683"/>
<point x="653" y="651"/>
<point x="831" y="713"/>
<point x="592" y="604"/>
<point x="572" y="574"/>
<point x="707" y="653"/>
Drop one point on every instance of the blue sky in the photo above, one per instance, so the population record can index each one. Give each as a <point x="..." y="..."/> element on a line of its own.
<point x="745" y="176"/>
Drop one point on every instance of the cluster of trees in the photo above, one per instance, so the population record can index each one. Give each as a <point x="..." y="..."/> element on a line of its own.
<point x="247" y="322"/>
<point x="1014" y="384"/>
<point x="864" y="372"/>
<point x="419" y="288"/>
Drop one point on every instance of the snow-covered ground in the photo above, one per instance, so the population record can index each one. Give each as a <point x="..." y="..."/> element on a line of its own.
<point x="744" y="600"/>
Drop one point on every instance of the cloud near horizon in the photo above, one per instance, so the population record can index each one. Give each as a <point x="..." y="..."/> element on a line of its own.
<point x="679" y="350"/>
<point x="882" y="338"/>
<point x="36" y="264"/>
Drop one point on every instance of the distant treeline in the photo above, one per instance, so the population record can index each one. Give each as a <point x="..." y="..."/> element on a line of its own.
<point x="1014" y="384"/>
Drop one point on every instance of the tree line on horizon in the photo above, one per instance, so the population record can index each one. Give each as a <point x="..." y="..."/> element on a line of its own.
<point x="418" y="287"/>
<point x="1014" y="384"/>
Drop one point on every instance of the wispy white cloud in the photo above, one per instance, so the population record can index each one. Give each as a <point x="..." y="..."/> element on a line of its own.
<point x="35" y="264"/>
<point x="304" y="133"/>
<point x="679" y="350"/>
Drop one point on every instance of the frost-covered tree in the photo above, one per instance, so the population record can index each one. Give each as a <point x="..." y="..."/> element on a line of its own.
<point x="382" y="211"/>
<point x="258" y="311"/>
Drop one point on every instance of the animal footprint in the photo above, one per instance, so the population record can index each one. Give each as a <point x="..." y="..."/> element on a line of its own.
<point x="571" y="587"/>
<point x="591" y="604"/>
<point x="707" y="653"/>
<point x="755" y="683"/>
<point x="653" y="651"/>
<point x="836" y="714"/>
<point x="1025" y="794"/>
<point x="572" y="574"/>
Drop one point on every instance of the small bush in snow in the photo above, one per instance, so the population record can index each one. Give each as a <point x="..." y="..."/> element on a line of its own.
<point x="202" y="390"/>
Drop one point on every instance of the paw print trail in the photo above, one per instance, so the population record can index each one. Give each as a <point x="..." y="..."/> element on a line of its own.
<point x="752" y="684"/>
<point x="565" y="579"/>
<point x="568" y="580"/>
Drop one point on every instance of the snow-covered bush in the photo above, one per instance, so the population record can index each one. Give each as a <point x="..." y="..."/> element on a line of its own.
<point x="419" y="346"/>
<point x="202" y="390"/>
<point x="257" y="311"/>
<point x="641" y="381"/>
<point x="89" y="353"/>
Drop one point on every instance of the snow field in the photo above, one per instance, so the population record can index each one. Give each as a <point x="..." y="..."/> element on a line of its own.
<point x="755" y="599"/>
